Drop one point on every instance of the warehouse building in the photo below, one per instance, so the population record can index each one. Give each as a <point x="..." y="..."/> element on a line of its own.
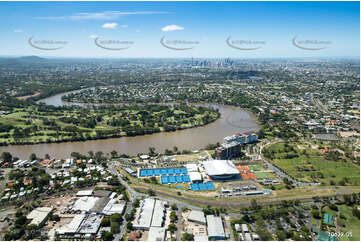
<point x="156" y="234"/>
<point x="215" y="228"/>
<point x="39" y="215"/>
<point x="197" y="217"/>
<point x="152" y="214"/>
<point x="145" y="217"/>
<point x="158" y="214"/>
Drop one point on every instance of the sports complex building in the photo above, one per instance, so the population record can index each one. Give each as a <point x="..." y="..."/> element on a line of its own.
<point x="221" y="169"/>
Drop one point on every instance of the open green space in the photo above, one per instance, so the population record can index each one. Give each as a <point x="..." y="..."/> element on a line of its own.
<point x="39" y="124"/>
<point x="351" y="223"/>
<point x="312" y="165"/>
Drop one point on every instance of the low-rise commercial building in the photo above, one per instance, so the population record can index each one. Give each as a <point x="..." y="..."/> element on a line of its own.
<point x="215" y="228"/>
<point x="39" y="215"/>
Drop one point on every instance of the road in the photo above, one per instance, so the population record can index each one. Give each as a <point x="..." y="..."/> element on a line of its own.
<point x="132" y="196"/>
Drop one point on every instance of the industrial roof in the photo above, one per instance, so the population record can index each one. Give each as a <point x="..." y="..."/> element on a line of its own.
<point x="38" y="215"/>
<point x="191" y="167"/>
<point x="156" y="234"/>
<point x="145" y="217"/>
<point x="113" y="207"/>
<point x="85" y="203"/>
<point x="73" y="226"/>
<point x="195" y="176"/>
<point x="158" y="214"/>
<point x="90" y="224"/>
<point x="220" y="167"/>
<point x="215" y="226"/>
<point x="197" y="216"/>
<point x="102" y="193"/>
<point x="84" y="193"/>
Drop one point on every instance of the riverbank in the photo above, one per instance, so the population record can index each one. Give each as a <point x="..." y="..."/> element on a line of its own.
<point x="232" y="120"/>
<point x="56" y="125"/>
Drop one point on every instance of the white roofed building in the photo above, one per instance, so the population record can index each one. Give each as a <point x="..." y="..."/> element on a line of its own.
<point x="192" y="167"/>
<point x="215" y="228"/>
<point x="220" y="169"/>
<point x="195" y="177"/>
<point x="39" y="215"/>
<point x="197" y="217"/>
<point x="156" y="234"/>
<point x="145" y="217"/>
<point x="84" y="193"/>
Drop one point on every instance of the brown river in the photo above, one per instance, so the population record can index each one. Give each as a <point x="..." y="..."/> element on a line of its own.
<point x="232" y="120"/>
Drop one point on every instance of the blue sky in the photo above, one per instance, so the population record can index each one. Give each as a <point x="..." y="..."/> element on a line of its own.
<point x="273" y="25"/>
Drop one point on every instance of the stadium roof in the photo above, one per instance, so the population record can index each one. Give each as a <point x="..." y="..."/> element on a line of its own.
<point x="220" y="167"/>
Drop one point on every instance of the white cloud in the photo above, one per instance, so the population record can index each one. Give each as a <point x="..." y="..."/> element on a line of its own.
<point x="106" y="15"/>
<point x="138" y="31"/>
<point x="93" y="36"/>
<point x="172" y="27"/>
<point x="109" y="25"/>
<point x="18" y="31"/>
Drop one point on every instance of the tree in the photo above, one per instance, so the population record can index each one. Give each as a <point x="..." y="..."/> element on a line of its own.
<point x="254" y="204"/>
<point x="129" y="225"/>
<point x="151" y="151"/>
<point x="114" y="227"/>
<point x="187" y="237"/>
<point x="151" y="192"/>
<point x="6" y="157"/>
<point x="116" y="217"/>
<point x="105" y="222"/>
<point x="174" y="206"/>
<point x="32" y="156"/>
<point x="172" y="228"/>
<point x="114" y="154"/>
<point x="91" y="153"/>
<point x="107" y="236"/>
<point x="173" y="217"/>
<point x="20" y="220"/>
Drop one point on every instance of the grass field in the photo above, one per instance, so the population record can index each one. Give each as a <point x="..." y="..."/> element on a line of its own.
<point x="310" y="165"/>
<point x="351" y="222"/>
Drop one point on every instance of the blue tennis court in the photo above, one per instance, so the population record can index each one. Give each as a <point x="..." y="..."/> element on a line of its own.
<point x="164" y="180"/>
<point x="171" y="179"/>
<point x="174" y="179"/>
<point x="163" y="172"/>
<point x="208" y="186"/>
<point x="186" y="178"/>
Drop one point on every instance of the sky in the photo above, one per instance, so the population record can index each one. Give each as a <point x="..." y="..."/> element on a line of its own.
<point x="187" y="29"/>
